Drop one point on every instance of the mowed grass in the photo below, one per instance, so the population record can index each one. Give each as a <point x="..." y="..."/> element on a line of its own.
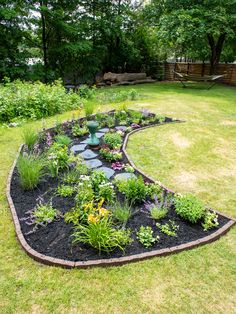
<point x="196" y="156"/>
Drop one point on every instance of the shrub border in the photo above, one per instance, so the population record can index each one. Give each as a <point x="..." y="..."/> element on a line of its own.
<point x="47" y="260"/>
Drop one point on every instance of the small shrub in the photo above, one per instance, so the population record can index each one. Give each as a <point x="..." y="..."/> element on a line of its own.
<point x="65" y="190"/>
<point x="121" y="212"/>
<point x="145" y="236"/>
<point x="102" y="236"/>
<point x="189" y="207"/>
<point x="134" y="189"/>
<point x="26" y="100"/>
<point x="44" y="214"/>
<point x="30" y="137"/>
<point x="210" y="220"/>
<point x="113" y="140"/>
<point x="170" y="228"/>
<point x="87" y="92"/>
<point x="30" y="169"/>
<point x="63" y="140"/>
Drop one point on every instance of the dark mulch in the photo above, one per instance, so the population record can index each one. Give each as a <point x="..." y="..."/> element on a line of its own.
<point x="55" y="239"/>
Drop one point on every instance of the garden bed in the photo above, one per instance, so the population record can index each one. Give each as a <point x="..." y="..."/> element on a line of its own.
<point x="53" y="239"/>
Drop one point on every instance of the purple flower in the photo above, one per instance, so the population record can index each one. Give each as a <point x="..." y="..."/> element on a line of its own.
<point x="117" y="165"/>
<point x="135" y="126"/>
<point x="49" y="139"/>
<point x="146" y="113"/>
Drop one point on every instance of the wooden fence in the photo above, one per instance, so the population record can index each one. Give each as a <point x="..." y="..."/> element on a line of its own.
<point x="201" y="69"/>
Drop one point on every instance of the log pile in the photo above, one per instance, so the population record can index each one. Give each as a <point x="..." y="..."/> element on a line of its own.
<point x="116" y="79"/>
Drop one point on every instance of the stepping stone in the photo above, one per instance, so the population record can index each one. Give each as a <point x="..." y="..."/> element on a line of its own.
<point x="125" y="176"/>
<point x="85" y="141"/>
<point x="107" y="171"/>
<point x="93" y="163"/>
<point x="78" y="148"/>
<point x="98" y="134"/>
<point x="121" y="128"/>
<point x="88" y="154"/>
<point x="104" y="130"/>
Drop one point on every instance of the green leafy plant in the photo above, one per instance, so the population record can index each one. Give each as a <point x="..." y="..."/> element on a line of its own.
<point x="87" y="92"/>
<point x="77" y="130"/>
<point x="44" y="213"/>
<point x="157" y="209"/>
<point x="63" y="140"/>
<point x="97" y="178"/>
<point x="85" y="191"/>
<point x="74" y="215"/>
<point x="65" y="190"/>
<point x="106" y="192"/>
<point x="30" y="169"/>
<point x="89" y="107"/>
<point x="58" y="159"/>
<point x="110" y="155"/>
<point x="170" y="228"/>
<point x="102" y="236"/>
<point x="145" y="236"/>
<point x="110" y="121"/>
<point x="210" y="220"/>
<point x="158" y="213"/>
<point x="81" y="168"/>
<point x="71" y="177"/>
<point x="113" y="140"/>
<point x="30" y="138"/>
<point x="129" y="168"/>
<point x="189" y="207"/>
<point x="134" y="189"/>
<point x="121" y="211"/>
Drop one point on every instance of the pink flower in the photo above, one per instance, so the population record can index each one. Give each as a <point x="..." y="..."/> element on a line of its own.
<point x="117" y="165"/>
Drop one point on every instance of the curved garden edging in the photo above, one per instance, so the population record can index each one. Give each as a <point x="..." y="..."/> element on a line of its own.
<point x="109" y="261"/>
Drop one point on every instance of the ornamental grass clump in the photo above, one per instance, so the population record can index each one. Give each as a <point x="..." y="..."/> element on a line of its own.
<point x="189" y="207"/>
<point x="121" y="211"/>
<point x="30" y="169"/>
<point x="30" y="138"/>
<point x="102" y="236"/>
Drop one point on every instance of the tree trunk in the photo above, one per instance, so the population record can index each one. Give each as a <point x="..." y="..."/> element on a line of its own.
<point x="216" y="49"/>
<point x="44" y="41"/>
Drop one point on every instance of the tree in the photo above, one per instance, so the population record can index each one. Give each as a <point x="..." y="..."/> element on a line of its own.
<point x="12" y="53"/>
<point x="189" y="26"/>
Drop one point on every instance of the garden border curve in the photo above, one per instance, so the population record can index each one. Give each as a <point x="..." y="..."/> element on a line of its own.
<point x="109" y="261"/>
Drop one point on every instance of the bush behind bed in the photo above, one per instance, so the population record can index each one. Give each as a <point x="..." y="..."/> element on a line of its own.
<point x="26" y="100"/>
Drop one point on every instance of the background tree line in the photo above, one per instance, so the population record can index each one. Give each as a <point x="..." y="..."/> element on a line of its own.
<point x="78" y="39"/>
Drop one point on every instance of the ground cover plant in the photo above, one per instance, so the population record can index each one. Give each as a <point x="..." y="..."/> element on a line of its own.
<point x="106" y="211"/>
<point x="209" y="119"/>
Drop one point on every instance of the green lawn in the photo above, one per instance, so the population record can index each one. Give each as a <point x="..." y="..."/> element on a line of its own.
<point x="196" y="156"/>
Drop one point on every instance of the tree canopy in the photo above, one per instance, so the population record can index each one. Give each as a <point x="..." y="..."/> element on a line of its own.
<point x="78" y="39"/>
